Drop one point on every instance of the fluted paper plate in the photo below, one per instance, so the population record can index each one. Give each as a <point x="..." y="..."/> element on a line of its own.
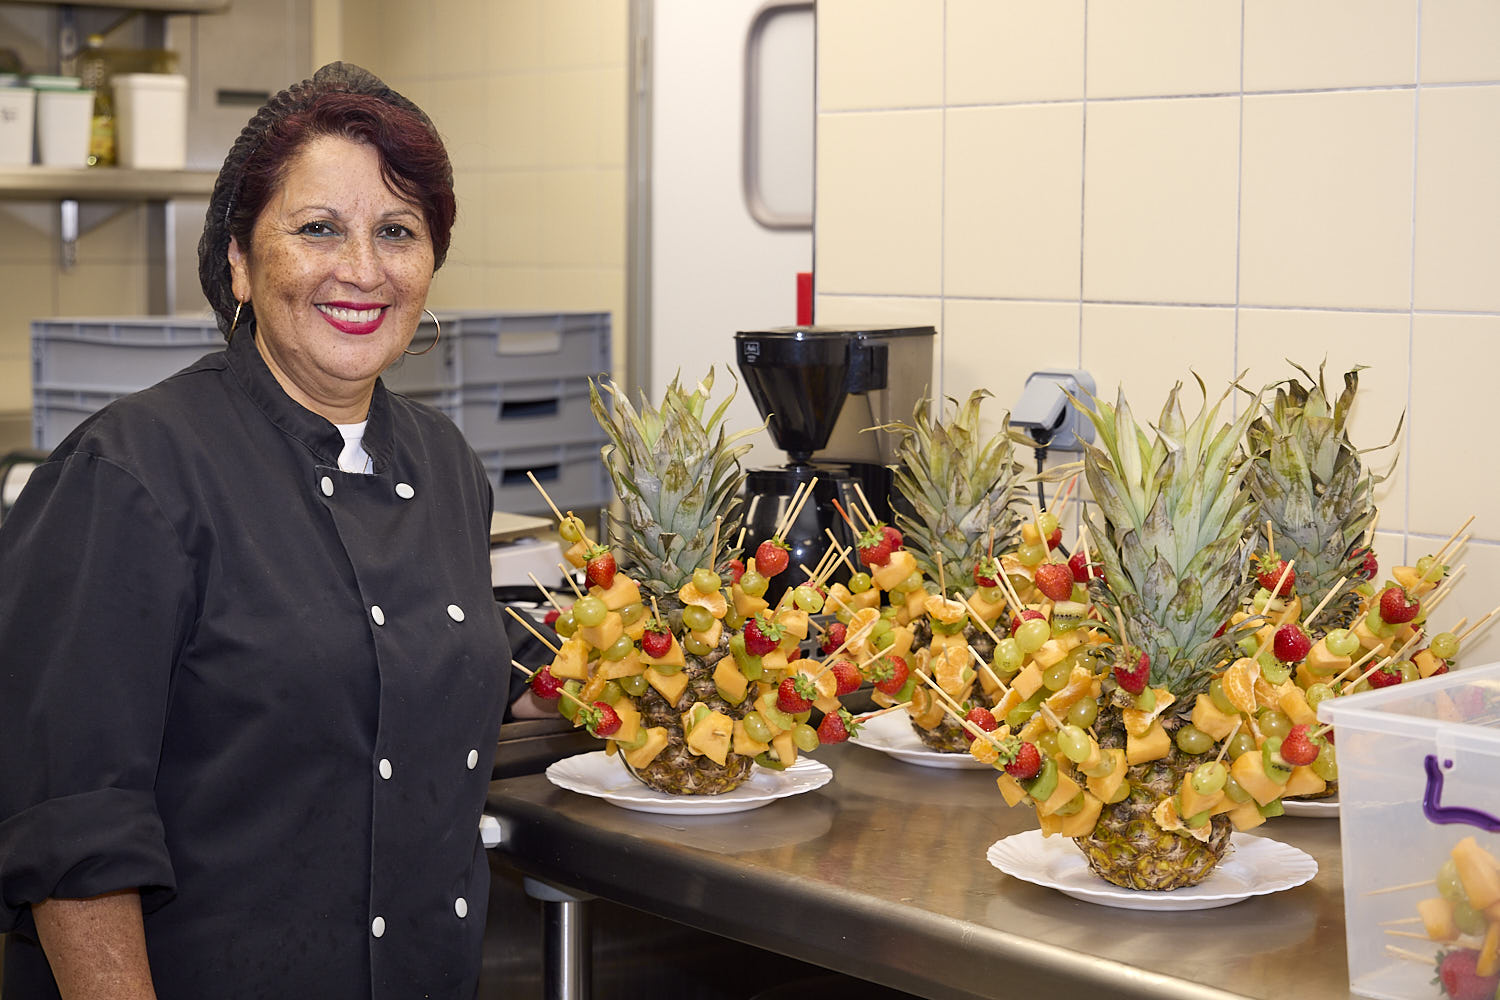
<point x="1314" y="808"/>
<point x="892" y="735"/>
<point x="603" y="777"/>
<point x="1256" y="866"/>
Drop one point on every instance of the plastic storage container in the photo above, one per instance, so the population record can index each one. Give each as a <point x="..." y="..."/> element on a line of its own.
<point x="150" y="120"/>
<point x="1419" y="771"/>
<point x="573" y="475"/>
<point x="64" y="119"/>
<point x="17" y="123"/>
<point x="486" y="348"/>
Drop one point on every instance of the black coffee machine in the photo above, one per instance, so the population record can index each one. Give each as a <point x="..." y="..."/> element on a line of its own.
<point x="820" y="389"/>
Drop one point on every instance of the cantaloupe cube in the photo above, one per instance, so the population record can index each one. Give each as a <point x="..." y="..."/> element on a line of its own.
<point x="1293" y="701"/>
<point x="1066" y="789"/>
<point x="630" y="721"/>
<point x="1154" y="745"/>
<point x="986" y="610"/>
<point x="775" y="660"/>
<point x="1478" y="873"/>
<point x="732" y="684"/>
<point x="1324" y="664"/>
<point x="576" y="554"/>
<point x="711" y="737"/>
<point x="669" y="686"/>
<point x="1245" y="816"/>
<point x="1192" y="802"/>
<point x="572" y="660"/>
<point x="603" y="635"/>
<point x="1082" y="823"/>
<point x="793" y="622"/>
<point x="902" y="564"/>
<point x="1488" y="962"/>
<point x="744" y="745"/>
<point x="1437" y="919"/>
<point x="1011" y="789"/>
<point x="747" y="606"/>
<point x="1104" y="788"/>
<point x="1249" y="770"/>
<point x="627" y="666"/>
<point x="864" y="599"/>
<point x="914" y="607"/>
<point x="1050" y="652"/>
<point x="711" y="636"/>
<point x="672" y="657"/>
<point x="1207" y="717"/>
<point x="1427" y="664"/>
<point x="1304" y="781"/>
<point x="1028" y="681"/>
<point x="643" y="755"/>
<point x="784" y="749"/>
<point x="622" y="591"/>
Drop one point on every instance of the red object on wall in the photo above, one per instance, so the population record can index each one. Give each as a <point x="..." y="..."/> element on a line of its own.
<point x="804" y="298"/>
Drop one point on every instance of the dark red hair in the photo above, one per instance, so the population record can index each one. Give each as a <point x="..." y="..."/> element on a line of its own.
<point x="413" y="160"/>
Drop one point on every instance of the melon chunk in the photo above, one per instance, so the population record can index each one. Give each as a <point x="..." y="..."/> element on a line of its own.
<point x="643" y="755"/>
<point x="603" y="635"/>
<point x="1028" y="681"/>
<point x="732" y="684"/>
<point x="1153" y="745"/>
<point x="1079" y="824"/>
<point x="1105" y="786"/>
<point x="902" y="564"/>
<point x="744" y="745"/>
<point x="1249" y="770"/>
<point x="669" y="686"/>
<point x="1437" y="919"/>
<point x="1304" y="781"/>
<point x="1478" y="872"/>
<point x="1061" y="796"/>
<point x="673" y="657"/>
<point x="711" y="736"/>
<point x="1011" y="789"/>
<point x="572" y="660"/>
<point x="1245" y="816"/>
<point x="622" y="591"/>
<point x="1207" y="717"/>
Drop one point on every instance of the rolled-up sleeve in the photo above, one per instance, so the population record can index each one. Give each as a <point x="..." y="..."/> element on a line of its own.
<point x="96" y="599"/>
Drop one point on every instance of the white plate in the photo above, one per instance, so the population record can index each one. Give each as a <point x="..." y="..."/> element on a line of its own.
<point x="1256" y="866"/>
<point x="605" y="777"/>
<point x="892" y="734"/>
<point x="1315" y="808"/>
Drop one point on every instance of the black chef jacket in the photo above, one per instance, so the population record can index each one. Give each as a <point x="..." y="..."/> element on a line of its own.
<point x="262" y="690"/>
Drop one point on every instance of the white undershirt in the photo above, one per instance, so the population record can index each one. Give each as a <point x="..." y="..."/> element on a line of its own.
<point x="354" y="458"/>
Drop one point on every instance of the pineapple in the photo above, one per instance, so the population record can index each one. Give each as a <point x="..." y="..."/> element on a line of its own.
<point x="959" y="487"/>
<point x="1175" y="555"/>
<point x="1313" y="488"/>
<point x="676" y="471"/>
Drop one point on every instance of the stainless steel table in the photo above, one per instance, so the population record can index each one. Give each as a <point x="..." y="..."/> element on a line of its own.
<point x="881" y="874"/>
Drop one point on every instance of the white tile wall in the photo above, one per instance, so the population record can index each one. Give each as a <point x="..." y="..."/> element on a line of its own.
<point x="1167" y="187"/>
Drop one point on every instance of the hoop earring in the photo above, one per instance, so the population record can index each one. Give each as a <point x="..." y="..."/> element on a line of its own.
<point x="238" y="305"/>
<point x="435" y="339"/>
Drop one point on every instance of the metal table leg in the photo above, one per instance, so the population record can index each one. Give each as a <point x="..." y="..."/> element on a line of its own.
<point x="567" y="960"/>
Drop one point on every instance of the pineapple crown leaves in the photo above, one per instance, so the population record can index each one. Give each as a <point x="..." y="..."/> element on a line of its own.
<point x="959" y="483"/>
<point x="1177" y="516"/>
<point x="675" y="469"/>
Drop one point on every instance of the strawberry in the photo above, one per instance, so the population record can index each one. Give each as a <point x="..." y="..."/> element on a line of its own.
<point x="1054" y="539"/>
<point x="1385" y="677"/>
<point x="736" y="570"/>
<point x="603" y="721"/>
<point x="1270" y="571"/>
<point x="1133" y="679"/>
<point x="1291" y="644"/>
<point x="834" y="638"/>
<point x="1296" y="748"/>
<point x="837" y="727"/>
<point x="544" y="685"/>
<point x="551" y="617"/>
<point x="874" y="548"/>
<point x="1054" y="580"/>
<point x="656" y="641"/>
<point x="1027" y="763"/>
<point x="1025" y="616"/>
<point x="600" y="569"/>
<point x="899" y="671"/>
<point x="1458" y="973"/>
<point x="1440" y="669"/>
<point x="1083" y="569"/>
<point x="761" y="636"/>
<point x="987" y="573"/>
<point x="847" y="675"/>
<point x="1369" y="565"/>
<point x="771" y="557"/>
<point x="981" y="718"/>
<point x="892" y="537"/>
<point x="1397" y="606"/>
<point x="796" y="694"/>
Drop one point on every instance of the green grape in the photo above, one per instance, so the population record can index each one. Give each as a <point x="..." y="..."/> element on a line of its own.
<point x="1032" y="634"/>
<point x="1219" y="698"/>
<point x="611" y="692"/>
<point x="805" y="737"/>
<point x="672" y="668"/>
<point x="1031" y="553"/>
<point x="1276" y="672"/>
<point x="1234" y="791"/>
<point x="619" y="649"/>
<point x="1469" y="920"/>
<point x="568" y="707"/>
<point x="1083" y="712"/>
<point x="566" y="624"/>
<point x="1241" y="744"/>
<point x="696" y="646"/>
<point x="589" y="611"/>
<point x="1047" y="744"/>
<point x="706" y="581"/>
<point x="1191" y="739"/>
<point x="733" y="619"/>
<point x="1377" y="625"/>
<point x="880" y="626"/>
<point x="1008" y="656"/>
<point x="1326" y="765"/>
<point x="1146" y="700"/>
<point x="1209" y="777"/>
<point x="1055" y="677"/>
<point x="1432" y="571"/>
<point x="883" y="640"/>
<point x="860" y="582"/>
<point x="1080" y="594"/>
<point x="1341" y="642"/>
<point x="1444" y="645"/>
<point x="570" y="528"/>
<point x="889" y="612"/>
<point x="912" y="582"/>
<point x="1409" y="671"/>
<point x="1018" y="716"/>
<point x="1074" y="743"/>
<point x="807" y="599"/>
<point x="1072" y="806"/>
<point x="1273" y="722"/>
<point x="1121" y="794"/>
<point x="753" y="583"/>
<point x="756" y="728"/>
<point x="1248" y="645"/>
<point x="1046" y="524"/>
<point x="991" y="595"/>
<point x="1449" y="885"/>
<point x="632" y="613"/>
<point x="697" y="618"/>
<point x="635" y="685"/>
<point x="1317" y="694"/>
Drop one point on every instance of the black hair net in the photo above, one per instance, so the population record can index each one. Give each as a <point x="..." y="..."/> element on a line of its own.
<point x="213" y="247"/>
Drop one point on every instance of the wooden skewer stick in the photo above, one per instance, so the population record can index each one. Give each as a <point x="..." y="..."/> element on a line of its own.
<point x="1013" y="598"/>
<point x="806" y="496"/>
<point x="1410" y="956"/>
<point x="1354" y="666"/>
<point x="1062" y="503"/>
<point x="942" y="584"/>
<point x="859" y="492"/>
<point x="1408" y="934"/>
<point x="1036" y="516"/>
<point x="845" y="515"/>
<point x="1403" y="920"/>
<point x="547" y="594"/>
<point x="984" y="626"/>
<point x="713" y="547"/>
<point x="782" y="522"/>
<point x="888" y="710"/>
<point x="538" y="485"/>
<point x="1438" y="556"/>
<point x="1320" y="731"/>
<point x="561" y="690"/>
<point x="1378" y="665"/>
<point x="1401" y="888"/>
<point x="985" y="668"/>
<point x="952" y="708"/>
<point x="843" y="553"/>
<point x="656" y="611"/>
<point x="1271" y="544"/>
<point x="1477" y="625"/>
<point x="1050" y="716"/>
<point x="937" y="688"/>
<point x="568" y="575"/>
<point x="1333" y="591"/>
<point x="1224" y="747"/>
<point x="530" y="628"/>
<point x="1441" y="592"/>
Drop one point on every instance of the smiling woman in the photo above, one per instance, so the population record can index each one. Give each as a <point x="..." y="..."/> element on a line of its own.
<point x="244" y="759"/>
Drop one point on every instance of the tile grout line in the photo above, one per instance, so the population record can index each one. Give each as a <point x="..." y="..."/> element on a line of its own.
<point x="1411" y="289"/>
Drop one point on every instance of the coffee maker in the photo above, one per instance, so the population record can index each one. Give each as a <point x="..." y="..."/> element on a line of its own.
<point x="824" y="392"/>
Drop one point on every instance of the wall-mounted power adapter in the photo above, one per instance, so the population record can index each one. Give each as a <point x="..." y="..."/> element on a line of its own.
<point x="1044" y="413"/>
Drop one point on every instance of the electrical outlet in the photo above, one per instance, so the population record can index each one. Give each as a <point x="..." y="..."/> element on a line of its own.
<point x="1045" y="414"/>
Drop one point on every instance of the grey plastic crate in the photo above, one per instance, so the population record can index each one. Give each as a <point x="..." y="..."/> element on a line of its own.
<point x="488" y="348"/>
<point x="115" y="354"/>
<point x="572" y="474"/>
<point x="55" y="412"/>
<point x="517" y="414"/>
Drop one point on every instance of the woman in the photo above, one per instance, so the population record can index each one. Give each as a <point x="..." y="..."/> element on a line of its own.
<point x="254" y="671"/>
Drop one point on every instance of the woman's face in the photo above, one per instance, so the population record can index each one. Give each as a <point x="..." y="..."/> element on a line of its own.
<point x="338" y="272"/>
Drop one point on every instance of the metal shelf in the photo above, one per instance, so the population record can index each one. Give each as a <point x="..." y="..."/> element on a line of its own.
<point x="103" y="184"/>
<point x="156" y="6"/>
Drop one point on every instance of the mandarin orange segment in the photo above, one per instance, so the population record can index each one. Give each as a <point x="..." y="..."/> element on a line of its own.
<point x="1239" y="683"/>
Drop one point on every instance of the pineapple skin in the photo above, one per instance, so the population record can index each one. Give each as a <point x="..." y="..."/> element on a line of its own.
<point x="948" y="736"/>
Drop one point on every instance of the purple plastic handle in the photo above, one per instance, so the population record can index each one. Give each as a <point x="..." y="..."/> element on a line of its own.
<point x="1438" y="813"/>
